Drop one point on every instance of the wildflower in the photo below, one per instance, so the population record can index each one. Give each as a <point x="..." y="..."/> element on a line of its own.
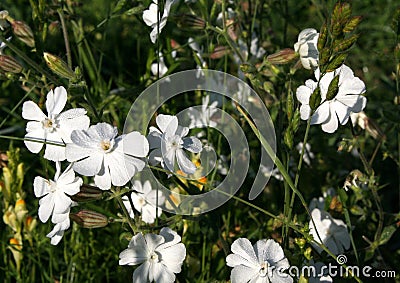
<point x="168" y="144"/>
<point x="160" y="256"/>
<point x="55" y="194"/>
<point x="306" y="46"/>
<point x="152" y="15"/>
<point x="262" y="262"/>
<point x="338" y="107"/>
<point x="159" y="68"/>
<point x="200" y="119"/>
<point x="308" y="154"/>
<point x="145" y="200"/>
<point x="110" y="159"/>
<point x="55" y="127"/>
<point x="333" y="232"/>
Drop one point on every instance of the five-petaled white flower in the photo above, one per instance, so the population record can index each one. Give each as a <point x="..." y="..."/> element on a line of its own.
<point x="168" y="144"/>
<point x="55" y="128"/>
<point x="151" y="17"/>
<point x="348" y="98"/>
<point x="262" y="263"/>
<point x="145" y="200"/>
<point x="110" y="159"/>
<point x="200" y="118"/>
<point x="55" y="194"/>
<point x="161" y="256"/>
<point x="306" y="46"/>
<point x="333" y="232"/>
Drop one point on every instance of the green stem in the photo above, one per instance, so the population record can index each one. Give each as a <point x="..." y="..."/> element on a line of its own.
<point x="66" y="40"/>
<point x="126" y="213"/>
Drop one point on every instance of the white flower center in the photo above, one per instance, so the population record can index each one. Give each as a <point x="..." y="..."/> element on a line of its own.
<point x="263" y="269"/>
<point x="53" y="187"/>
<point x="175" y="142"/>
<point x="142" y="201"/>
<point x="49" y="125"/>
<point x="107" y="145"/>
<point x="154" y="257"/>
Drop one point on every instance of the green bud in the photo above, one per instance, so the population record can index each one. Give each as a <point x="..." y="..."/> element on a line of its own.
<point x="290" y="105"/>
<point x="301" y="242"/>
<point x="324" y="56"/>
<point x="282" y="57"/>
<point x="9" y="64"/>
<point x="89" y="219"/>
<point x="288" y="137"/>
<point x="315" y="98"/>
<point x="296" y="121"/>
<point x="333" y="88"/>
<point x="336" y="62"/>
<point x="23" y="32"/>
<point x="247" y="68"/>
<point x="323" y="36"/>
<point x="58" y="66"/>
<point x="87" y="193"/>
<point x="345" y="44"/>
<point x="352" y="24"/>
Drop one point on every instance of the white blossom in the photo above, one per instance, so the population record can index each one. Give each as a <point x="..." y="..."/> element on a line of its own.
<point x="333" y="232"/>
<point x="201" y="119"/>
<point x="55" y="127"/>
<point x="169" y="143"/>
<point x="306" y="46"/>
<point x="55" y="193"/>
<point x="348" y="98"/>
<point x="62" y="224"/>
<point x="152" y="15"/>
<point x="111" y="159"/>
<point x="161" y="256"/>
<point x="263" y="262"/>
<point x="145" y="199"/>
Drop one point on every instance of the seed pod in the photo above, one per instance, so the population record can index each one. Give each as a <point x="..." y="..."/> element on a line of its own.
<point x="333" y="88"/>
<point x="189" y="21"/>
<point x="23" y="32"/>
<point x="9" y="64"/>
<point x="87" y="193"/>
<point x="282" y="57"/>
<point x="89" y="219"/>
<point x="324" y="56"/>
<point x="323" y="36"/>
<point x="315" y="98"/>
<point x="352" y="24"/>
<point x="345" y="44"/>
<point x="58" y="66"/>
<point x="336" y="62"/>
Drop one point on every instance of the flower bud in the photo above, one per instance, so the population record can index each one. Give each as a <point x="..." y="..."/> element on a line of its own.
<point x="87" y="193"/>
<point x="219" y="52"/>
<point x="247" y="68"/>
<point x="336" y="62"/>
<point x="323" y="36"/>
<point x="315" y="98"/>
<point x="89" y="219"/>
<point x="189" y="21"/>
<point x="58" y="66"/>
<point x="333" y="88"/>
<point x="282" y="57"/>
<point x="9" y="64"/>
<point x="301" y="242"/>
<point x="23" y="32"/>
<point x="10" y="218"/>
<point x="20" y="209"/>
<point x="30" y="223"/>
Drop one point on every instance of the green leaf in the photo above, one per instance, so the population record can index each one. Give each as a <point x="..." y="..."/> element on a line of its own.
<point x="387" y="233"/>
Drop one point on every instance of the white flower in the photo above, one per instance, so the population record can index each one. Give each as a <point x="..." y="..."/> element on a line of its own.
<point x="201" y="119"/>
<point x="58" y="230"/>
<point x="144" y="199"/>
<point x="262" y="263"/>
<point x="168" y="144"/>
<point x="151" y="16"/>
<point x="321" y="273"/>
<point x="306" y="46"/>
<point x="55" y="127"/>
<point x="161" y="256"/>
<point x="333" y="232"/>
<point x="55" y="194"/>
<point x="110" y="159"/>
<point x="256" y="50"/>
<point x="320" y="201"/>
<point x="347" y="100"/>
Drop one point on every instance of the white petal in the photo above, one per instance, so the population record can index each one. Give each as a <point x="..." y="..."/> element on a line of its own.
<point x="150" y="15"/>
<point x="168" y="160"/>
<point x="55" y="101"/>
<point x="46" y="205"/>
<point x="154" y="35"/>
<point x="243" y="247"/>
<point x="243" y="274"/>
<point x="74" y="152"/>
<point x="135" y="144"/>
<point x="342" y="112"/>
<point x="356" y="102"/>
<point x="30" y="111"/>
<point x="155" y="157"/>
<point x="160" y="274"/>
<point x="69" y="125"/>
<point x="169" y="122"/>
<point x="38" y="135"/>
<point x="271" y="251"/>
<point x="330" y="125"/>
<point x="54" y="152"/>
<point x="305" y="111"/>
<point x="89" y="166"/>
<point x="141" y="274"/>
<point x="154" y="138"/>
<point x="82" y="138"/>
<point x="118" y="167"/>
<point x="322" y="114"/>
<point x="33" y="126"/>
<point x="103" y="178"/>
<point x="173" y="257"/>
<point x="62" y="203"/>
<point x="184" y="162"/>
<point x="41" y="186"/>
<point x="303" y="94"/>
<point x="192" y="144"/>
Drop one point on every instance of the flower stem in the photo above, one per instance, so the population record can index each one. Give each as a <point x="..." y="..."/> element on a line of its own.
<point x="126" y="213"/>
